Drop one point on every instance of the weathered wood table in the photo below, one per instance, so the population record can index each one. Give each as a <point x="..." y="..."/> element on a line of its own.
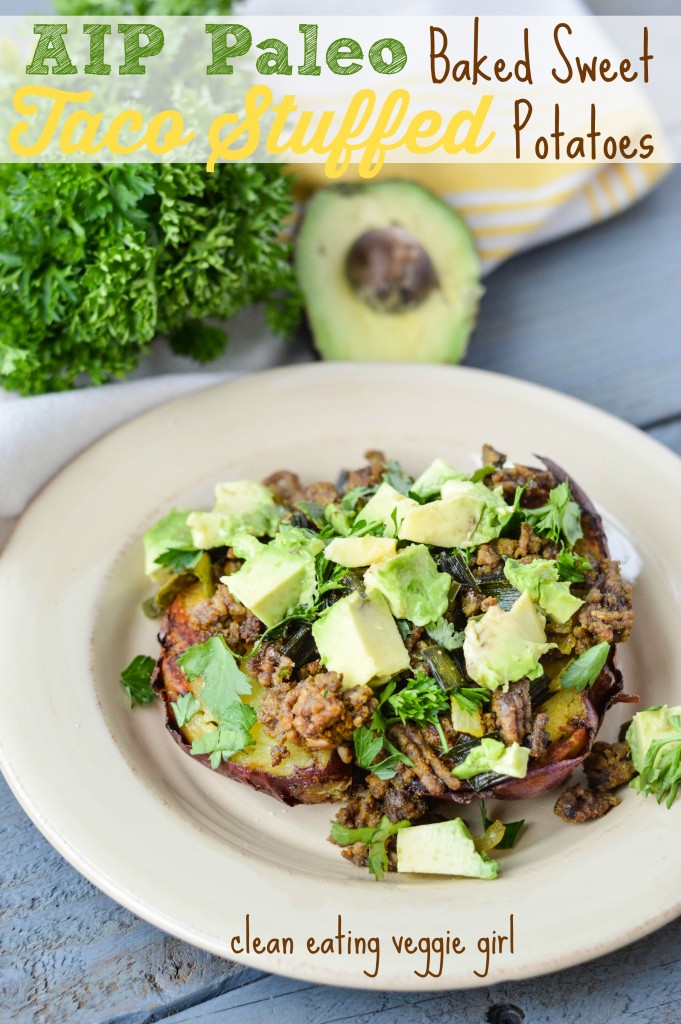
<point x="597" y="315"/>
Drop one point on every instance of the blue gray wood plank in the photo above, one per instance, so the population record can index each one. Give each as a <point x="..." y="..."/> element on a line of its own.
<point x="596" y="315"/>
<point x="640" y="984"/>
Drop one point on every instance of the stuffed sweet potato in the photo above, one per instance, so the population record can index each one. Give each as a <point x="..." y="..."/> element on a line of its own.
<point x="389" y="640"/>
<point x="296" y="775"/>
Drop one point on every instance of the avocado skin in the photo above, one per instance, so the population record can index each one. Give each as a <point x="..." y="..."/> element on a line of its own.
<point x="435" y="325"/>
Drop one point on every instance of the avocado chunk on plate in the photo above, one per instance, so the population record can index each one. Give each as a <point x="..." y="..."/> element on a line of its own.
<point x="389" y="272"/>
<point x="444" y="848"/>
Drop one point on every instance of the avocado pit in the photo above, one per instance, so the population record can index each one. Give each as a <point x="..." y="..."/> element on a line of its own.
<point x="390" y="270"/>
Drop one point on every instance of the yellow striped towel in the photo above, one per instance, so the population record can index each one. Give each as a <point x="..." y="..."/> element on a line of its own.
<point x="512" y="207"/>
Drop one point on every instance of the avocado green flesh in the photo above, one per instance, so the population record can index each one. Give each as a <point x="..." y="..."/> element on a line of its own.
<point x="647" y="726"/>
<point x="444" y="848"/>
<point x="345" y="327"/>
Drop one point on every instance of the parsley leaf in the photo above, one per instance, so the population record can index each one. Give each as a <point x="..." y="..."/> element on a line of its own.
<point x="184" y="708"/>
<point x="136" y="679"/>
<point x="232" y="734"/>
<point x="394" y="475"/>
<point x="367" y="748"/>
<point x="178" y="561"/>
<point x="571" y="566"/>
<point x="585" y="669"/>
<point x="421" y="700"/>
<point x="444" y="634"/>
<point x="329" y="575"/>
<point x="223" y="681"/>
<point x="559" y="516"/>
<point x="471" y="698"/>
<point x="511" y="830"/>
<point x="375" y="838"/>
<point x="361" y="528"/>
<point x="350" y="500"/>
<point x="661" y="772"/>
<point x="481" y="473"/>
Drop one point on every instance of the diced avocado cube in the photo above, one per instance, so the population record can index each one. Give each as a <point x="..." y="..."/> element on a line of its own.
<point x="273" y="583"/>
<point x="248" y="500"/>
<point x="431" y="480"/>
<point x="557" y="603"/>
<point x="492" y="755"/>
<point x="213" y="529"/>
<point x="357" y="551"/>
<point x="501" y="647"/>
<point x="386" y="505"/>
<point x="467" y="514"/>
<point x="647" y="726"/>
<point x="446" y="523"/>
<point x="540" y="579"/>
<point x="444" y="848"/>
<point x="358" y="638"/>
<point x="469" y="722"/>
<point x="494" y="511"/>
<point x="241" y="506"/>
<point x="412" y="585"/>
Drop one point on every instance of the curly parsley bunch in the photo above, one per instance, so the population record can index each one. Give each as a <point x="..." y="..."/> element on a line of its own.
<point x="95" y="261"/>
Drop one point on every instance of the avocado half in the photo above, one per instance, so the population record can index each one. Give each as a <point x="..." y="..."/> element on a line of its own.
<point x="389" y="272"/>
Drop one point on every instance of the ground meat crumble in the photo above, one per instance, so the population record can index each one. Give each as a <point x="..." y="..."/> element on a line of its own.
<point x="579" y="803"/>
<point x="316" y="711"/>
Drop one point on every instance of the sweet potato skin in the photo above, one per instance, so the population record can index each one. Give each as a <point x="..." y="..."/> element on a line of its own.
<point x="306" y="777"/>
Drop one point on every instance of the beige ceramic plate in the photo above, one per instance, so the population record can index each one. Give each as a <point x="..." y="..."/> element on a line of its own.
<point x="193" y="852"/>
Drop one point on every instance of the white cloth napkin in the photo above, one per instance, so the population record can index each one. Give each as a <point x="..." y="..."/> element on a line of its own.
<point x="39" y="435"/>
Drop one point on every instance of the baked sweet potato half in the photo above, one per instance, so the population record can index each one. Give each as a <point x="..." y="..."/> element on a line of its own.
<point x="300" y="776"/>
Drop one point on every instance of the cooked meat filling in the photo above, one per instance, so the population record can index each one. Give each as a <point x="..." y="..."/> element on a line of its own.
<point x="222" y="614"/>
<point x="268" y="665"/>
<point x="540" y="740"/>
<point x="513" y="712"/>
<point x="579" y="803"/>
<point x="366" y="806"/>
<point x="316" y="711"/>
<point x="370" y="475"/>
<point x="607" y="613"/>
<point x="609" y="765"/>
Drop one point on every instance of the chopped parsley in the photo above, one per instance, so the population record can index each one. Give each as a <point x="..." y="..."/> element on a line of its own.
<point x="482" y="473"/>
<point x="471" y="698"/>
<point x="178" y="561"/>
<point x="223" y="684"/>
<point x="136" y="679"/>
<point x="394" y="475"/>
<point x="223" y="681"/>
<point x="444" y="634"/>
<point x="421" y="700"/>
<point x="571" y="566"/>
<point x="350" y="500"/>
<point x="368" y="746"/>
<point x="184" y="708"/>
<point x="560" y="517"/>
<point x="375" y="838"/>
<point x="232" y="734"/>
<point x="585" y="669"/>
